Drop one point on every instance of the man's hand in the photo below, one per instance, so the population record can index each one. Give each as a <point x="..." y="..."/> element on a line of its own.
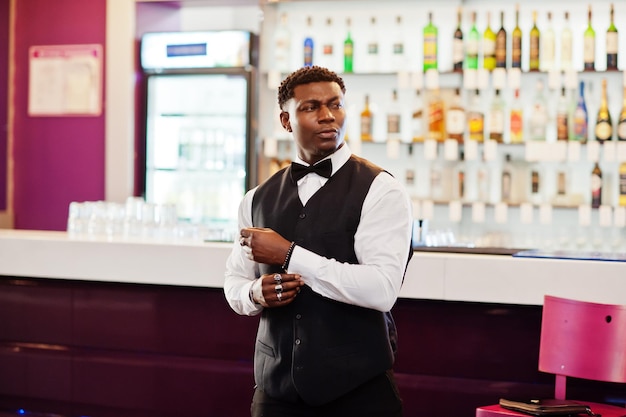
<point x="277" y="289"/>
<point x="264" y="245"/>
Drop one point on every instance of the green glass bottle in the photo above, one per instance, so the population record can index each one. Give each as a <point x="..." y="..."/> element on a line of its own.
<point x="489" y="46"/>
<point x="533" y="61"/>
<point x="612" y="43"/>
<point x="516" y="42"/>
<point x="430" y="44"/>
<point x="348" y="52"/>
<point x="590" y="45"/>
<point x="472" y="45"/>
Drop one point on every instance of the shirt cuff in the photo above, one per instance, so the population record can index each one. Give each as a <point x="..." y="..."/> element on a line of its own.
<point x="256" y="293"/>
<point x="304" y="262"/>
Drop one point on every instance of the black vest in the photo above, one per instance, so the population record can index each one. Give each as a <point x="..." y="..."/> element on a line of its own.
<point x="315" y="348"/>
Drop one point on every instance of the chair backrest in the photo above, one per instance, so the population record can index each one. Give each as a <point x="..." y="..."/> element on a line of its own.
<point x="582" y="340"/>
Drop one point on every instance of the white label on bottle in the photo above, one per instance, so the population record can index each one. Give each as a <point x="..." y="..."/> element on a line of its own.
<point x="490" y="151"/>
<point x="489" y="47"/>
<point x="611" y="42"/>
<point x="609" y="151"/>
<point x="432" y="79"/>
<point x="621" y="129"/>
<point x="573" y="151"/>
<point x="496" y="121"/>
<point x="455" y="121"/>
<point x="455" y="211"/>
<point x="457" y="51"/>
<point x="604" y="130"/>
<point x="430" y="149"/>
<point x="526" y="213"/>
<point x="590" y="49"/>
<point x="554" y="79"/>
<point x="417" y="80"/>
<point x="501" y="213"/>
<point x="571" y="79"/>
<point x="451" y="150"/>
<point x="515" y="78"/>
<point x="393" y="148"/>
<point x="478" y="212"/>
<point x="584" y="215"/>
<point x="545" y="214"/>
<point x="469" y="79"/>
<point x="499" y="78"/>
<point x="471" y="150"/>
<point x="593" y="151"/>
<point x="427" y="209"/>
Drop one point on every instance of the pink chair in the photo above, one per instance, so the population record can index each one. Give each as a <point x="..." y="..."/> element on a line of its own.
<point x="579" y="340"/>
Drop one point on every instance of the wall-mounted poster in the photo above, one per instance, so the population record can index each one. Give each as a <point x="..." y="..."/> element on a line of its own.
<point x="65" y="80"/>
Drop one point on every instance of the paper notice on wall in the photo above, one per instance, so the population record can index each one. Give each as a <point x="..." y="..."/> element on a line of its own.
<point x="65" y="80"/>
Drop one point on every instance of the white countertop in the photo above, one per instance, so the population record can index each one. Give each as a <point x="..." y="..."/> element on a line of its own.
<point x="437" y="276"/>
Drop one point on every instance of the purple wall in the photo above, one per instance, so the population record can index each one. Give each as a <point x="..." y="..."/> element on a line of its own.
<point x="57" y="159"/>
<point x="4" y="68"/>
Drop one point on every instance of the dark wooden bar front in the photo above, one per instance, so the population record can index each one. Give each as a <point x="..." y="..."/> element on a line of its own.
<point x="78" y="348"/>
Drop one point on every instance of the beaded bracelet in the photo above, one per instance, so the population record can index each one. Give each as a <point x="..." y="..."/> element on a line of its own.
<point x="288" y="256"/>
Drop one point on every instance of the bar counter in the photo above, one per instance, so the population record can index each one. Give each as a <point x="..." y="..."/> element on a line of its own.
<point x="141" y="328"/>
<point x="430" y="275"/>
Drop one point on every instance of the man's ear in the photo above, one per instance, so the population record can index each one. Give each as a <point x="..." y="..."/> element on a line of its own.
<point x="284" y="120"/>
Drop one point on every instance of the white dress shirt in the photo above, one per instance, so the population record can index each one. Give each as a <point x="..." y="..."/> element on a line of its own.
<point x="381" y="245"/>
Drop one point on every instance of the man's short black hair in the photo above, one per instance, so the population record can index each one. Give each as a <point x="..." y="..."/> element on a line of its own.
<point x="306" y="75"/>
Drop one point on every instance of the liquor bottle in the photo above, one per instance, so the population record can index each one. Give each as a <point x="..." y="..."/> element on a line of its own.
<point x="621" y="124"/>
<point x="501" y="44"/>
<point x="604" y="126"/>
<point x="472" y="45"/>
<point x="372" y="58"/>
<point x="457" y="45"/>
<point x="282" y="46"/>
<point x="506" y="180"/>
<point x="367" y="121"/>
<point x="612" y="44"/>
<point x="562" y="117"/>
<point x="581" y="117"/>
<point x="430" y="44"/>
<point x="566" y="45"/>
<point x="327" y="57"/>
<point x="417" y="117"/>
<point x="436" y="116"/>
<point x="398" y="52"/>
<point x="548" y="49"/>
<point x="533" y="61"/>
<point x="516" y="120"/>
<point x="622" y="184"/>
<point x="596" y="186"/>
<point x="393" y="118"/>
<point x="589" y="45"/>
<point x="516" y="42"/>
<point x="455" y="118"/>
<point x="489" y="46"/>
<point x="535" y="184"/>
<point x="537" y="125"/>
<point x="348" y="52"/>
<point x="308" y="44"/>
<point x="476" y="119"/>
<point x="496" y="118"/>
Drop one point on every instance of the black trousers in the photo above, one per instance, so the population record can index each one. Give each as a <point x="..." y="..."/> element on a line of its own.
<point x="378" y="397"/>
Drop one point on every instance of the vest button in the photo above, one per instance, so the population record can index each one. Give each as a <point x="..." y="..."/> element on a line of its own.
<point x="298" y="316"/>
<point x="302" y="215"/>
<point x="298" y="341"/>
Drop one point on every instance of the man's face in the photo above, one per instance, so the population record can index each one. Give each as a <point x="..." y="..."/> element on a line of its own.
<point x="316" y="117"/>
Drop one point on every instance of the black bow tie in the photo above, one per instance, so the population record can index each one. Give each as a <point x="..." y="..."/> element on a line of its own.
<point x="324" y="169"/>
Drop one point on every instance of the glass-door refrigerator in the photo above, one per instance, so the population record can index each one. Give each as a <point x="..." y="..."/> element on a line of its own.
<point x="200" y="124"/>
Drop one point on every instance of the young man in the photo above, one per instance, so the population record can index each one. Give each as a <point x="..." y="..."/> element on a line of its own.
<point x="323" y="249"/>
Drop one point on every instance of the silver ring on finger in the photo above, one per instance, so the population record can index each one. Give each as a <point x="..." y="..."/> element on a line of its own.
<point x="278" y="278"/>
<point x="279" y="296"/>
<point x="278" y="288"/>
